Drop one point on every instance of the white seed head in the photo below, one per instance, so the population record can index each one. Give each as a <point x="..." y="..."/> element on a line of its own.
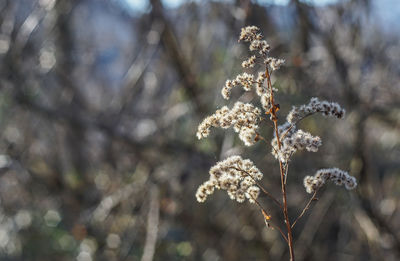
<point x="275" y="64"/>
<point x="261" y="46"/>
<point x="266" y="101"/>
<point x="250" y="62"/>
<point x="243" y="117"/>
<point x="249" y="34"/>
<point x="292" y="141"/>
<point x="314" y="106"/>
<point x="339" y="177"/>
<point x="235" y="175"/>
<point x="245" y="80"/>
<point x="260" y="88"/>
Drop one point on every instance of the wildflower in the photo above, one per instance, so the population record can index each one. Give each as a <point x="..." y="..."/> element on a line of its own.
<point x="301" y="140"/>
<point x="275" y="64"/>
<point x="249" y="33"/>
<point x="244" y="118"/>
<point x="244" y="79"/>
<point x="226" y="90"/>
<point x="260" y="89"/>
<point x="249" y="63"/>
<point x="314" y="106"/>
<point x="266" y="102"/>
<point x="261" y="46"/>
<point x="239" y="177"/>
<point x="339" y="177"/>
<point x="235" y="175"/>
<point x="218" y="119"/>
<point x="248" y="136"/>
<point x="294" y="141"/>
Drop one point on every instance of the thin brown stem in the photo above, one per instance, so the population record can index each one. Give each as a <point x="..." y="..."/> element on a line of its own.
<point x="269" y="222"/>
<point x="294" y="124"/>
<point x="286" y="171"/>
<point x="287" y="131"/>
<point x="260" y="186"/>
<point x="282" y="171"/>
<point x="285" y="209"/>
<point x="305" y="208"/>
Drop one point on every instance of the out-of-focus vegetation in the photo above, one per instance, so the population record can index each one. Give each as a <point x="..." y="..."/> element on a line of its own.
<point x="98" y="112"/>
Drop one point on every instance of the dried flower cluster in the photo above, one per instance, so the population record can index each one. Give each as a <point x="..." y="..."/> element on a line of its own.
<point x="244" y="118"/>
<point x="246" y="80"/>
<point x="259" y="45"/>
<point x="240" y="177"/>
<point x="314" y="106"/>
<point x="235" y="175"/>
<point x="249" y="63"/>
<point x="292" y="140"/>
<point x="274" y="63"/>
<point x="250" y="33"/>
<point x="339" y="177"/>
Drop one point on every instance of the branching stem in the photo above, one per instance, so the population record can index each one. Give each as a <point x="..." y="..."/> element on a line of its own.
<point x="294" y="124"/>
<point x="260" y="186"/>
<point x="269" y="222"/>
<point x="282" y="171"/>
<point x="305" y="208"/>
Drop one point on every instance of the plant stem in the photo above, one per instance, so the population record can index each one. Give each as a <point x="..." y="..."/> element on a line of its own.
<point x="272" y="224"/>
<point x="305" y="208"/>
<point x="282" y="172"/>
<point x="284" y="199"/>
<point x="260" y="186"/>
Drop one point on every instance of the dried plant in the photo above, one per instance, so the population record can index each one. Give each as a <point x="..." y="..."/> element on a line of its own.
<point x="240" y="177"/>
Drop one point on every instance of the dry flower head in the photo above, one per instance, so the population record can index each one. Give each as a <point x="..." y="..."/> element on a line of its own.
<point x="240" y="177"/>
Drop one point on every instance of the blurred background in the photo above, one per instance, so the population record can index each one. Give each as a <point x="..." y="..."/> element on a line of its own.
<point x="99" y="106"/>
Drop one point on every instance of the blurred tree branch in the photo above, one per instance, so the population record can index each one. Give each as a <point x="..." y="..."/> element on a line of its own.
<point x="172" y="48"/>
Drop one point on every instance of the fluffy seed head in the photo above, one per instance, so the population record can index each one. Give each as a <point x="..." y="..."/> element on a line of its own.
<point x="339" y="177"/>
<point x="243" y="117"/>
<point x="260" y="88"/>
<point x="249" y="63"/>
<point x="314" y="106"/>
<point x="292" y="141"/>
<point x="275" y="64"/>
<point x="245" y="80"/>
<point x="261" y="46"/>
<point x="249" y="33"/>
<point x="235" y="175"/>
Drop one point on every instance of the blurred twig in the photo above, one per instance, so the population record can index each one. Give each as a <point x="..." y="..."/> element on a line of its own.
<point x="305" y="208"/>
<point x="307" y="235"/>
<point x="180" y="63"/>
<point x="152" y="225"/>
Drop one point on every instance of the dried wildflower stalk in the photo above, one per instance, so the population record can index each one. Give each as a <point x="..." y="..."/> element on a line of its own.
<point x="240" y="177"/>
